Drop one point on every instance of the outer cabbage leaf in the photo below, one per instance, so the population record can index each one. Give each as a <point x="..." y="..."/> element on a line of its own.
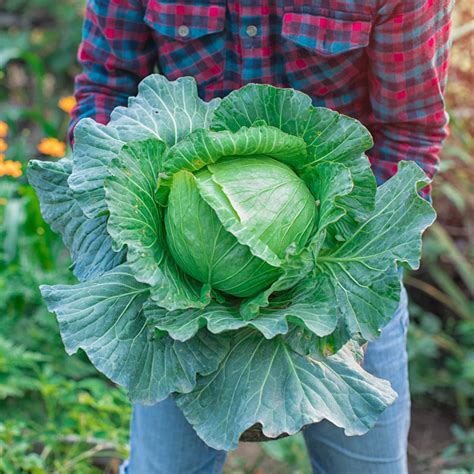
<point x="94" y="146"/>
<point x="329" y="136"/>
<point x="86" y="239"/>
<point x="330" y="184"/>
<point x="305" y="342"/>
<point x="359" y="203"/>
<point x="137" y="221"/>
<point x="183" y="325"/>
<point x="104" y="318"/>
<point x="163" y="109"/>
<point x="310" y="305"/>
<point x="262" y="381"/>
<point x="363" y="269"/>
<point x="203" y="147"/>
<point x="167" y="110"/>
<point x="285" y="109"/>
<point x="333" y="342"/>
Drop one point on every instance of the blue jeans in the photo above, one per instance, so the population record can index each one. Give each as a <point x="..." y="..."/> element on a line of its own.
<point x="163" y="442"/>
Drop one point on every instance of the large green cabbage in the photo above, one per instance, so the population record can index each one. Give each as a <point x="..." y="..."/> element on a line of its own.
<point x="263" y="195"/>
<point x="234" y="254"/>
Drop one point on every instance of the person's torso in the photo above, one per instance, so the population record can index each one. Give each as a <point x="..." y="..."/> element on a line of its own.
<point x="315" y="47"/>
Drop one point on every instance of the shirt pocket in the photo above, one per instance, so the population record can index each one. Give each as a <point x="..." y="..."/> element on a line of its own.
<point x="190" y="39"/>
<point x="324" y="54"/>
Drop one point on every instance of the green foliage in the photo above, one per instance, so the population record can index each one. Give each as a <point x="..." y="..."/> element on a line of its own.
<point x="461" y="452"/>
<point x="291" y="451"/>
<point x="38" y="41"/>
<point x="57" y="414"/>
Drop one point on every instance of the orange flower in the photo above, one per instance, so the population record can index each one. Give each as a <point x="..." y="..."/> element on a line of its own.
<point x="3" y="145"/>
<point x="52" y="147"/>
<point x="67" y="103"/>
<point x="2" y="157"/>
<point x="3" y="129"/>
<point x="10" y="168"/>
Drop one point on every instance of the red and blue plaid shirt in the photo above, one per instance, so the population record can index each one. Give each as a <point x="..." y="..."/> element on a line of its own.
<point x="382" y="61"/>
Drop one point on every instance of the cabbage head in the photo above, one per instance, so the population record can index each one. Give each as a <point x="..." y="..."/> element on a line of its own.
<point x="282" y="214"/>
<point x="233" y="254"/>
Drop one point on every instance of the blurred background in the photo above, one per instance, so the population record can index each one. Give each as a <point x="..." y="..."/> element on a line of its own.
<point x="58" y="415"/>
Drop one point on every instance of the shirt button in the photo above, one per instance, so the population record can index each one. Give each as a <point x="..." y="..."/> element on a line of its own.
<point x="251" y="30"/>
<point x="183" y="31"/>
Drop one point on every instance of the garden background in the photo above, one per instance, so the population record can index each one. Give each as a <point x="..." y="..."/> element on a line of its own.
<point x="57" y="415"/>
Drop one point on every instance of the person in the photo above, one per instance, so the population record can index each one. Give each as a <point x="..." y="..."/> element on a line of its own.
<point x="383" y="62"/>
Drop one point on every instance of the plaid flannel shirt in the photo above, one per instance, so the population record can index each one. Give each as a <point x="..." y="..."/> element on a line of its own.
<point x="383" y="62"/>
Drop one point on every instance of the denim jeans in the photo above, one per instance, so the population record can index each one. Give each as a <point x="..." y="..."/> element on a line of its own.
<point x="163" y="442"/>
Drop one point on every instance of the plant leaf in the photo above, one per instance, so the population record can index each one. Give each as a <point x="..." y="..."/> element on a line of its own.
<point x="252" y="200"/>
<point x="363" y="269"/>
<point x="104" y="318"/>
<point x="330" y="136"/>
<point x="94" y="147"/>
<point x="137" y="221"/>
<point x="87" y="239"/>
<point x="163" y="109"/>
<point x="215" y="197"/>
<point x="203" y="147"/>
<point x="296" y="267"/>
<point x="309" y="305"/>
<point x="285" y="109"/>
<point x="167" y="110"/>
<point x="359" y="203"/>
<point x="329" y="184"/>
<point x="305" y="342"/>
<point x="262" y="381"/>
<point x="183" y="325"/>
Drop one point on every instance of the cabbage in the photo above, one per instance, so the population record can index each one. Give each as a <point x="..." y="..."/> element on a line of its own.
<point x="282" y="214"/>
<point x="234" y="254"/>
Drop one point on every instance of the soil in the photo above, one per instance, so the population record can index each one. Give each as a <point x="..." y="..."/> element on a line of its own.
<point x="430" y="433"/>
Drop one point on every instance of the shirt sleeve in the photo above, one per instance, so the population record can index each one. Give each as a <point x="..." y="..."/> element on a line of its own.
<point x="408" y="64"/>
<point x="116" y="52"/>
